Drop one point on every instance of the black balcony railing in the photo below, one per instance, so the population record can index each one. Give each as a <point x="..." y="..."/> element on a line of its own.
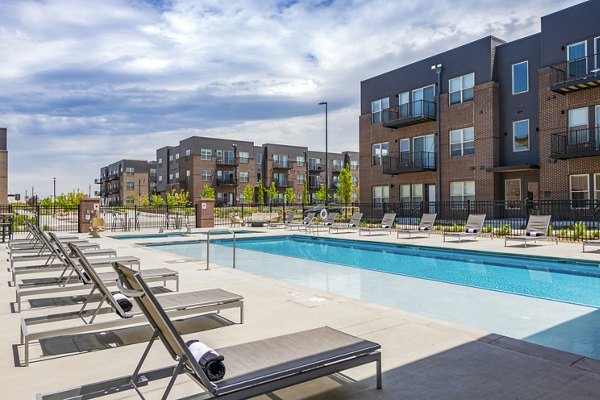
<point x="409" y="162"/>
<point x="575" y="75"/>
<point x="281" y="164"/>
<point x="226" y="181"/>
<point x="98" y="181"/>
<point x="314" y="184"/>
<point x="315" y="167"/>
<point x="282" y="183"/>
<point x="408" y="114"/>
<point x="337" y="168"/>
<point x="227" y="161"/>
<point x="575" y="143"/>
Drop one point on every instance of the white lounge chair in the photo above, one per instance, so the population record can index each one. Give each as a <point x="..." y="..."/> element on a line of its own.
<point x="425" y="226"/>
<point x="536" y="229"/>
<point x="386" y="225"/>
<point x="472" y="230"/>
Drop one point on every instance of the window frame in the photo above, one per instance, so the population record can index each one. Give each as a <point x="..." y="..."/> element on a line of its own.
<point x="461" y="90"/>
<point x="243" y="157"/>
<point x="300" y="161"/>
<point x="463" y="192"/>
<point x="526" y="62"/>
<point x="206" y="177"/>
<point x="244" y="176"/>
<point x="206" y="154"/>
<point x="462" y="142"/>
<point x="573" y="201"/>
<point x="379" y="156"/>
<point x="515" y="150"/>
<point x="512" y="204"/>
<point x="596" y="187"/>
<point x="380" y="102"/>
<point x="382" y="187"/>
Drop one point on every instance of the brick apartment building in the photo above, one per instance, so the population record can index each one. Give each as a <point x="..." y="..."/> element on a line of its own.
<point x="229" y="166"/>
<point x="125" y="181"/>
<point x="489" y="120"/>
<point x="3" y="167"/>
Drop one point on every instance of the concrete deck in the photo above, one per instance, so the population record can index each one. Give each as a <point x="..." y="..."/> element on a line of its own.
<point x="423" y="358"/>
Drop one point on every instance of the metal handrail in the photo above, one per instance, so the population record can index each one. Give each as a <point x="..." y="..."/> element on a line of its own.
<point x="208" y="244"/>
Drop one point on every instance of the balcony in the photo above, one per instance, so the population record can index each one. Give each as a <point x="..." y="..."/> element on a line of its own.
<point x="226" y="182"/>
<point x="314" y="184"/>
<point x="575" y="75"/>
<point x="408" y="114"/>
<point x="575" y="143"/>
<point x="409" y="162"/>
<point x="315" y="168"/>
<point x="98" y="181"/>
<point x="281" y="164"/>
<point x="227" y="162"/>
<point x="336" y="169"/>
<point x="282" y="183"/>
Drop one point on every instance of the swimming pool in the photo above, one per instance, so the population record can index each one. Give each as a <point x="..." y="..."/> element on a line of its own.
<point x="560" y="280"/>
<point x="177" y="234"/>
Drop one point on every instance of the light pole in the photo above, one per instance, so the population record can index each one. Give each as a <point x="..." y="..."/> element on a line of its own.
<point x="326" y="161"/>
<point x="54" y="196"/>
<point x="235" y="173"/>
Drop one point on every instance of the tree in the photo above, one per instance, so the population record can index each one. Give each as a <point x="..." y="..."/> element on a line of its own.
<point x="305" y="193"/>
<point x="208" y="192"/>
<point x="289" y="195"/>
<point x="321" y="194"/>
<point x="248" y="194"/>
<point x="143" y="200"/>
<point x="261" y="194"/>
<point x="181" y="198"/>
<point x="344" y="187"/>
<point x="272" y="192"/>
<point x="157" y="200"/>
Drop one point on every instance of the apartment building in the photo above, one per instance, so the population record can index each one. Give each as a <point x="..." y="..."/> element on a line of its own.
<point x="229" y="166"/>
<point x="489" y="120"/>
<point x="126" y="181"/>
<point x="3" y="167"/>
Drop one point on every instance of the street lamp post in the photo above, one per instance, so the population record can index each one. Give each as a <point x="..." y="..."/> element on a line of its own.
<point x="326" y="160"/>
<point x="54" y="196"/>
<point x="235" y="173"/>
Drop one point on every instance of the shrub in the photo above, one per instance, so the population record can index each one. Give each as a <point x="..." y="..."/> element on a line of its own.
<point x="503" y="230"/>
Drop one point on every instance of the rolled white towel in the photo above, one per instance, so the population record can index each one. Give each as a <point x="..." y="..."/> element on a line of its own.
<point x="209" y="360"/>
<point x="84" y="277"/>
<point x="471" y="230"/>
<point x="327" y="223"/>
<point x="534" y="234"/>
<point x="384" y="226"/>
<point x="351" y="225"/>
<point x="423" y="228"/>
<point x="123" y="301"/>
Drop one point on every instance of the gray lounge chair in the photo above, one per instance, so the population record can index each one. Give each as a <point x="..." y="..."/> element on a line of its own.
<point x="325" y="225"/>
<point x="472" y="230"/>
<point x="349" y="226"/>
<point x="536" y="229"/>
<point x="302" y="225"/>
<point x="425" y="226"/>
<point x="289" y="219"/>
<point x="177" y="305"/>
<point x="386" y="225"/>
<point x="253" y="368"/>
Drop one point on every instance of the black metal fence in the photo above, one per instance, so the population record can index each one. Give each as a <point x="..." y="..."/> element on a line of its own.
<point x="49" y="218"/>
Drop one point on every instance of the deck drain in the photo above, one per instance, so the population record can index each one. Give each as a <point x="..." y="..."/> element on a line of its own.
<point x="294" y="294"/>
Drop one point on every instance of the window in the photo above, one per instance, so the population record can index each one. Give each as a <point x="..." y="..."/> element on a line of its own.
<point x="129" y="171"/>
<point x="403" y="101"/>
<point x="205" y="154"/>
<point x="152" y="172"/>
<point x="187" y="173"/>
<point x="580" y="191"/>
<point x="188" y="152"/>
<point x="405" y="193"/>
<point x="300" y="179"/>
<point x="461" y="88"/>
<point x="576" y="61"/>
<point x="258" y="157"/>
<point x="380" y="151"/>
<point x="578" y="126"/>
<point x="129" y="185"/>
<point x="176" y="175"/>
<point x="597" y="186"/>
<point x="381" y="194"/>
<point x="160" y="162"/>
<point x="258" y="176"/>
<point x="160" y="178"/>
<point x="597" y="52"/>
<point x="354" y="181"/>
<point x="404" y="150"/>
<point x="177" y="156"/>
<point x="243" y="156"/>
<point x="170" y="177"/>
<point x="171" y="157"/>
<point x="377" y="108"/>
<point x="520" y="77"/>
<point x="244" y="176"/>
<point x="300" y="161"/>
<point x="353" y="165"/>
<point x="462" y="191"/>
<point x="422" y="104"/>
<point x="219" y="155"/>
<point x="280" y="161"/>
<point x="521" y="135"/>
<point x="417" y="192"/>
<point x="597" y="126"/>
<point x="462" y="142"/>
<point x="512" y="194"/>
<point x="206" y="175"/>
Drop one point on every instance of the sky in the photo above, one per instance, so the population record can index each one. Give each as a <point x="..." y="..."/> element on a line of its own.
<point x="87" y="83"/>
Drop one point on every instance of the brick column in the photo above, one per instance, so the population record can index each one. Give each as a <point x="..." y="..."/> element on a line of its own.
<point x="205" y="213"/>
<point x="88" y="209"/>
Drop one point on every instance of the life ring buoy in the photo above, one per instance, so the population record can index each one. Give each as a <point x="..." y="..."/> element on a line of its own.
<point x="323" y="213"/>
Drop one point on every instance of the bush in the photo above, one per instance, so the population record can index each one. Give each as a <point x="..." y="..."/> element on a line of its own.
<point x="503" y="230"/>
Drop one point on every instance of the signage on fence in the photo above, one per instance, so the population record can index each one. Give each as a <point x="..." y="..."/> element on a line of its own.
<point x="204" y="206"/>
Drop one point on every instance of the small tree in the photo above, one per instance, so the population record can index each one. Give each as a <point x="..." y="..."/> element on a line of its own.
<point x="289" y="195"/>
<point x="131" y="199"/>
<point x="208" y="192"/>
<point x="344" y="187"/>
<point x="261" y="194"/>
<point x="322" y="194"/>
<point x="143" y="200"/>
<point x="157" y="200"/>
<point x="305" y="193"/>
<point x="181" y="198"/>
<point x="248" y="194"/>
<point x="272" y="192"/>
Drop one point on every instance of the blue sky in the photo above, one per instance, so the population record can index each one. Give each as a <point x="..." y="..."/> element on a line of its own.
<point x="86" y="83"/>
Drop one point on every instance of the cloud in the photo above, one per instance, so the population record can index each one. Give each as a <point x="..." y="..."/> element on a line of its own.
<point x="89" y="83"/>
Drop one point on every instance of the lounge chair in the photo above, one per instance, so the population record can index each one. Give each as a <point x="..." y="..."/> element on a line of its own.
<point x="302" y="225"/>
<point x="289" y="219"/>
<point x="349" y="226"/>
<point x="253" y="368"/>
<point x="472" y="230"/>
<point x="177" y="305"/>
<point x="425" y="226"/>
<point x="324" y="225"/>
<point x="536" y="229"/>
<point x="386" y="225"/>
<point x="236" y="220"/>
<point x="591" y="243"/>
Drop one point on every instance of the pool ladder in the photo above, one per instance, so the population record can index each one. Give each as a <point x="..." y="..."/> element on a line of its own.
<point x="208" y="244"/>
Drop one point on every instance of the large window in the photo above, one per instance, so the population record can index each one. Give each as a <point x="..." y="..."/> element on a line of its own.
<point x="300" y="179"/>
<point x="423" y="101"/>
<point x="353" y="165"/>
<point x="258" y="157"/>
<point x="578" y="126"/>
<point x="405" y="193"/>
<point x="417" y="192"/>
<point x="244" y="176"/>
<point x="597" y="52"/>
<point x="512" y="194"/>
<point x="520" y="77"/>
<point x="299" y="161"/>
<point x="597" y="186"/>
<point x="129" y="185"/>
<point x="381" y="194"/>
<point x="462" y="142"/>
<point x="576" y="61"/>
<point x="521" y="135"/>
<point x="461" y="88"/>
<point x="403" y="101"/>
<point x="462" y="191"/>
<point x="206" y="175"/>
<point x="129" y="171"/>
<point x="377" y="108"/>
<point x="243" y="157"/>
<point x="404" y="150"/>
<point x="280" y="160"/>
<point x="580" y="190"/>
<point x="205" y="154"/>
<point x="380" y="152"/>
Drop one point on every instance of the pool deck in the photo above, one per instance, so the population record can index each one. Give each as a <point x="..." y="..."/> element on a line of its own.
<point x="423" y="358"/>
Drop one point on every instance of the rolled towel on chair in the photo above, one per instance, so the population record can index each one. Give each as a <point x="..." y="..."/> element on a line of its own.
<point x="84" y="277"/>
<point x="351" y="225"/>
<point x="384" y="226"/>
<point x="534" y="234"/>
<point x="209" y="360"/>
<point x="123" y="301"/>
<point x="471" y="230"/>
<point x="327" y="223"/>
<point x="423" y="228"/>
